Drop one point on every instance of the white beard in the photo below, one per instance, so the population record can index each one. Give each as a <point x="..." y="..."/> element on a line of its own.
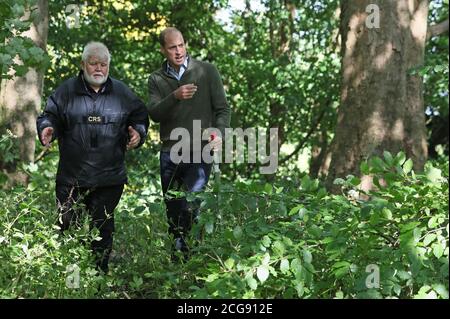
<point x="95" y="81"/>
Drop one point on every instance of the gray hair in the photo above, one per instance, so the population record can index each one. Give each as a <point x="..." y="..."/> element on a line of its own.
<point x="97" y="49"/>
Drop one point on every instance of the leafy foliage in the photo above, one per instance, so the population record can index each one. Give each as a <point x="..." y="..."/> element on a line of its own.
<point x="16" y="18"/>
<point x="290" y="239"/>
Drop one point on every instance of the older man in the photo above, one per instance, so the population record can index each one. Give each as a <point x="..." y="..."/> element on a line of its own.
<point x="96" y="119"/>
<point x="186" y="94"/>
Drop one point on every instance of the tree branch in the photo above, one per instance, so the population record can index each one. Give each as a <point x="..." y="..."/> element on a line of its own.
<point x="300" y="145"/>
<point x="437" y="29"/>
<point x="44" y="152"/>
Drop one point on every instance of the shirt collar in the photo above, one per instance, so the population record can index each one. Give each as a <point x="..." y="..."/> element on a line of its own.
<point x="170" y="69"/>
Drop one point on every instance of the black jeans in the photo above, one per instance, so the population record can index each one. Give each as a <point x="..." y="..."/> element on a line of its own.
<point x="100" y="202"/>
<point x="189" y="177"/>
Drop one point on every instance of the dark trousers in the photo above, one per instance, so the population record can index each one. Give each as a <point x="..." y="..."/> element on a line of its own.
<point x="100" y="204"/>
<point x="188" y="177"/>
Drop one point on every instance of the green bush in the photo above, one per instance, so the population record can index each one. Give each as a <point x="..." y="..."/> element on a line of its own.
<point x="289" y="239"/>
<point x="298" y="241"/>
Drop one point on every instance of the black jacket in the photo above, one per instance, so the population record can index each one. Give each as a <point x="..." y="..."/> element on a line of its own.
<point x="92" y="130"/>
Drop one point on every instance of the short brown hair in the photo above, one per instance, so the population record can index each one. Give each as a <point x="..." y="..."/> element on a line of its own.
<point x="162" y="35"/>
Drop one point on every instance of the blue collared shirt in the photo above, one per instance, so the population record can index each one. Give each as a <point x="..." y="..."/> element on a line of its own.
<point x="171" y="71"/>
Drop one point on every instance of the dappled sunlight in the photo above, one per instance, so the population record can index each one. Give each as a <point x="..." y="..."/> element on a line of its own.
<point x="356" y="22"/>
<point x="398" y="130"/>
<point x="377" y="129"/>
<point x="415" y="20"/>
<point x="419" y="23"/>
<point x="382" y="59"/>
<point x="403" y="6"/>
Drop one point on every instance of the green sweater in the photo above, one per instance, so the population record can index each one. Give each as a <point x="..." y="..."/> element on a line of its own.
<point x="209" y="103"/>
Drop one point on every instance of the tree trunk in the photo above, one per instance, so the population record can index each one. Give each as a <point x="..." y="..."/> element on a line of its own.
<point x="381" y="101"/>
<point x="20" y="98"/>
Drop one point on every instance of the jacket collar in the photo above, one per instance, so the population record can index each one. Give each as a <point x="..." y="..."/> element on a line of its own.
<point x="191" y="63"/>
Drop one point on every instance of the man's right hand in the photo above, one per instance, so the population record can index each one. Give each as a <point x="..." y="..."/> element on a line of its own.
<point x="46" y="136"/>
<point x="185" y="92"/>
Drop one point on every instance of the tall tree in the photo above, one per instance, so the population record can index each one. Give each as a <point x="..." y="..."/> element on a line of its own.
<point x="20" y="95"/>
<point x="382" y="106"/>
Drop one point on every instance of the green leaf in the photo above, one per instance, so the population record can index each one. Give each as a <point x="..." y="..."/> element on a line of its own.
<point x="434" y="175"/>
<point x="364" y="168"/>
<point x="266" y="241"/>
<point x="229" y="263"/>
<point x="400" y="158"/>
<point x="441" y="290"/>
<point x="252" y="283"/>
<point x="139" y="209"/>
<point x="5" y="59"/>
<point x="341" y="264"/>
<point x="300" y="289"/>
<point x="137" y="281"/>
<point x="262" y="272"/>
<point x="294" y="210"/>
<point x="355" y="181"/>
<point x="322" y="193"/>
<point x="407" y="167"/>
<point x="339" y="295"/>
<point x="387" y="213"/>
<point x="209" y="227"/>
<point x="296" y="267"/>
<point x="279" y="248"/>
<point x="438" y="251"/>
<point x="284" y="265"/>
<point x="237" y="232"/>
<point x="388" y="158"/>
<point x="268" y="188"/>
<point x="432" y="222"/>
<point x="403" y="275"/>
<point x="281" y="209"/>
<point x="266" y="259"/>
<point x="18" y="10"/>
<point x="306" y="183"/>
<point x="428" y="239"/>
<point x="422" y="292"/>
<point x="21" y="70"/>
<point x="377" y="163"/>
<point x="302" y="214"/>
<point x="439" y="68"/>
<point x="341" y="272"/>
<point x="307" y="256"/>
<point x="315" y="231"/>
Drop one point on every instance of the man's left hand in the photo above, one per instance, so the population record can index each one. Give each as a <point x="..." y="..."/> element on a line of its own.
<point x="135" y="138"/>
